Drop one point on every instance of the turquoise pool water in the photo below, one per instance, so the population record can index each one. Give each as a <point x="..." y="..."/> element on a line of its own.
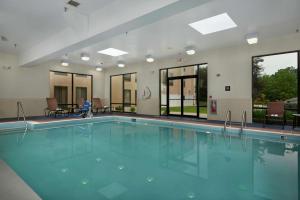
<point x="123" y="160"/>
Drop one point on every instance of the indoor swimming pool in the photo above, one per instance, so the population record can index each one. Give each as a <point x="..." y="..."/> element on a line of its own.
<point x="122" y="158"/>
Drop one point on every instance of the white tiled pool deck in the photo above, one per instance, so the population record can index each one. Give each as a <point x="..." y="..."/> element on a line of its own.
<point x="12" y="187"/>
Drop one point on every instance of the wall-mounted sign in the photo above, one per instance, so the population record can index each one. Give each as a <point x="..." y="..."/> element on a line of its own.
<point x="213" y="106"/>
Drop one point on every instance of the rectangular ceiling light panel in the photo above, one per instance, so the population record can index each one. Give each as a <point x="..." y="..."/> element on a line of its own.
<point x="214" y="24"/>
<point x="113" y="52"/>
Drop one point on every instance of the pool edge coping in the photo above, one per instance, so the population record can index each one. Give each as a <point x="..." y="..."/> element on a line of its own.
<point x="196" y="123"/>
<point x="10" y="179"/>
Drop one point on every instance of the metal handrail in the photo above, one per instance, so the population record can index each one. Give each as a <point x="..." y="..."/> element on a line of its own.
<point x="228" y="119"/>
<point x="244" y="120"/>
<point x="20" y="108"/>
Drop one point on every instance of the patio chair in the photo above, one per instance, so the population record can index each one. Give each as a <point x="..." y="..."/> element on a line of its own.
<point x="275" y="110"/>
<point x="97" y="105"/>
<point x="52" y="108"/>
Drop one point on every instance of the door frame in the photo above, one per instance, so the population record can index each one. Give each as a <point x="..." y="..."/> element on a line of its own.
<point x="182" y="99"/>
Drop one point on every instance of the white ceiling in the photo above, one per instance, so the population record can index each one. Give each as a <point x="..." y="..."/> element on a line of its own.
<point x="170" y="36"/>
<point x="29" y="23"/>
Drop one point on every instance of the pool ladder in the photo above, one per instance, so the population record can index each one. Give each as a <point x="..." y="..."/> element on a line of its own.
<point x="244" y="121"/>
<point x="228" y="119"/>
<point x="20" y="109"/>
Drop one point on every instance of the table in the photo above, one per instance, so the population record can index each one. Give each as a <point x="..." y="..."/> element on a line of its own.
<point x="70" y="107"/>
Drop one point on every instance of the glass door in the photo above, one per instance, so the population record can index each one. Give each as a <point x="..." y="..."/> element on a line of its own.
<point x="182" y="96"/>
<point x="189" y="97"/>
<point x="183" y="91"/>
<point x="174" y="97"/>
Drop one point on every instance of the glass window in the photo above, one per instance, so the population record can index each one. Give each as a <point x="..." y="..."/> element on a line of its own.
<point x="61" y="94"/>
<point x="124" y="92"/>
<point x="127" y="77"/>
<point x="202" y="91"/>
<point x="127" y="96"/>
<point x="117" y="89"/>
<point x="61" y="87"/>
<point x="81" y="93"/>
<point x="182" y="71"/>
<point x="163" y="87"/>
<point x="130" y="87"/>
<point x="275" y="79"/>
<point x="82" y="87"/>
<point x="68" y="92"/>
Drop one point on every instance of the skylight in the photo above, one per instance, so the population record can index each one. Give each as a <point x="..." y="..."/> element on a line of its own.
<point x="113" y="52"/>
<point x="214" y="24"/>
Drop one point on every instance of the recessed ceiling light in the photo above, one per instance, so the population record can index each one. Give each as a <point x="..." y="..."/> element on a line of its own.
<point x="252" y="38"/>
<point x="190" y="51"/>
<point x="64" y="63"/>
<point x="149" y="59"/>
<point x="99" y="69"/>
<point x="214" y="24"/>
<point x="121" y="65"/>
<point x="113" y="52"/>
<point x="85" y="57"/>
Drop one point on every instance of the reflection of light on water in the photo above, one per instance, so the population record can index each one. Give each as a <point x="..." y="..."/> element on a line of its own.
<point x="64" y="170"/>
<point x="84" y="181"/>
<point x="207" y="132"/>
<point x="150" y="179"/>
<point x="145" y="124"/>
<point x="191" y="195"/>
<point x="121" y="167"/>
<point x="98" y="160"/>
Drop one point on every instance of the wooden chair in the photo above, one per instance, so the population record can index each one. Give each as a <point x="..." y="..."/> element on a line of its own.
<point x="97" y="105"/>
<point x="52" y="107"/>
<point x="275" y="110"/>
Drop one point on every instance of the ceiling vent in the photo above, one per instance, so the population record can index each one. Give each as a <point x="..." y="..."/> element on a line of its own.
<point x="73" y="3"/>
<point x="3" y="39"/>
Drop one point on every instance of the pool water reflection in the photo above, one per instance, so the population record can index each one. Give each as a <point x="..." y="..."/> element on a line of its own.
<point x="137" y="161"/>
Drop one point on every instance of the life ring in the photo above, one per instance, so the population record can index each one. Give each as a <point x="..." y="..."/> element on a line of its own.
<point x="146" y="93"/>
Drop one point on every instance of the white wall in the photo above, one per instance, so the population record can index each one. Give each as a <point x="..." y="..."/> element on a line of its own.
<point x="31" y="84"/>
<point x="233" y="63"/>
